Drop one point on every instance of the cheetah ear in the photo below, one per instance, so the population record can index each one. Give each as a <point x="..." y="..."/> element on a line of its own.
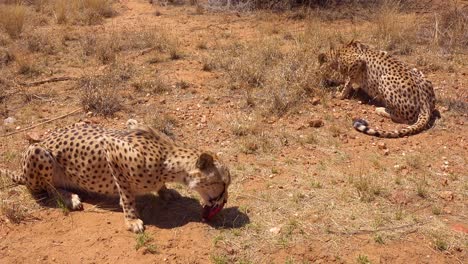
<point x="322" y="58"/>
<point x="204" y="160"/>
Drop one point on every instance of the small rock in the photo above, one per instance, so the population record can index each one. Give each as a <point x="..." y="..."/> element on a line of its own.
<point x="400" y="197"/>
<point x="444" y="181"/>
<point x="162" y="101"/>
<point x="382" y="145"/>
<point x="275" y="230"/>
<point x="316" y="123"/>
<point x="315" y="101"/>
<point x="33" y="137"/>
<point x="203" y="119"/>
<point x="300" y="127"/>
<point x="9" y="120"/>
<point x="446" y="195"/>
<point x="386" y="152"/>
<point x="404" y="172"/>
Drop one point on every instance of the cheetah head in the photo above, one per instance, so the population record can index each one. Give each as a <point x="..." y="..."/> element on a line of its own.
<point x="211" y="179"/>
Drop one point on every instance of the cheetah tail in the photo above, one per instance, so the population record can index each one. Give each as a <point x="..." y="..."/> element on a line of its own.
<point x="421" y="124"/>
<point x="16" y="177"/>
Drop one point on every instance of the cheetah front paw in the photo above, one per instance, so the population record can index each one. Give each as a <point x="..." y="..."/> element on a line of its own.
<point x="135" y="225"/>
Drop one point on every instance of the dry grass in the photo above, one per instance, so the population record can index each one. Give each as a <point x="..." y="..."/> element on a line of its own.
<point x="164" y="123"/>
<point x="276" y="74"/>
<point x="450" y="28"/>
<point x="107" y="46"/>
<point x="99" y="94"/>
<point x="12" y="19"/>
<point x="26" y="64"/>
<point x="89" y="12"/>
<point x="45" y="42"/>
<point x="394" y="30"/>
<point x="152" y="86"/>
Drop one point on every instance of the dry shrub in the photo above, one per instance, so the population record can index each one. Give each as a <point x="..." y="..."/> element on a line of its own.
<point x="100" y="94"/>
<point x="152" y="86"/>
<point x="6" y="56"/>
<point x="245" y="125"/>
<point x="274" y="75"/>
<point x="106" y="50"/>
<point x="26" y="64"/>
<point x="89" y="12"/>
<point x="450" y="28"/>
<point x="61" y="10"/>
<point x="105" y="46"/>
<point x="45" y="42"/>
<point x="13" y="211"/>
<point x="158" y="38"/>
<point x="164" y="123"/>
<point x="282" y="5"/>
<point x="12" y="18"/>
<point x="248" y="65"/>
<point x="394" y="30"/>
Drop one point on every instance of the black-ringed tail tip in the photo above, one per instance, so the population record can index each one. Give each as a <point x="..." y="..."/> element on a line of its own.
<point x="362" y="126"/>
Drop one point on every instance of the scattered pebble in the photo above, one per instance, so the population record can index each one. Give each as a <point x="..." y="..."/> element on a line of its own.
<point x="446" y="195"/>
<point x="33" y="137"/>
<point x="382" y="145"/>
<point x="315" y="101"/>
<point x="316" y="123"/>
<point x="275" y="230"/>
<point x="400" y="197"/>
<point x="9" y="120"/>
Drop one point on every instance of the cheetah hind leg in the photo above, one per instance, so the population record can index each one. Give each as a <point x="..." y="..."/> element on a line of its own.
<point x="168" y="194"/>
<point x="385" y="112"/>
<point x="382" y="111"/>
<point x="40" y="170"/>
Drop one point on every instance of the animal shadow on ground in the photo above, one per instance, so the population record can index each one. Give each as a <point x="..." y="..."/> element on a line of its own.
<point x="158" y="212"/>
<point x="178" y="212"/>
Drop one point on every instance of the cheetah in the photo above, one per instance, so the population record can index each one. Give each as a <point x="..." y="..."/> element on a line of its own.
<point x="123" y="163"/>
<point x="407" y="95"/>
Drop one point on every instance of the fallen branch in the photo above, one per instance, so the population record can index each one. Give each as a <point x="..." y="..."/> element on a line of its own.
<point x="368" y="231"/>
<point x="42" y="123"/>
<point x="55" y="79"/>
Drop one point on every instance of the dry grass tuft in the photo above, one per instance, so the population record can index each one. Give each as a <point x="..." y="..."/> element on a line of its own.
<point x="26" y="64"/>
<point x="367" y="188"/>
<point x="152" y="86"/>
<point x="13" y="211"/>
<point x="450" y="28"/>
<point x="44" y="42"/>
<point x="395" y="31"/>
<point x="107" y="45"/>
<point x="164" y="123"/>
<point x="89" y="12"/>
<point x="100" y="94"/>
<point x="12" y="18"/>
